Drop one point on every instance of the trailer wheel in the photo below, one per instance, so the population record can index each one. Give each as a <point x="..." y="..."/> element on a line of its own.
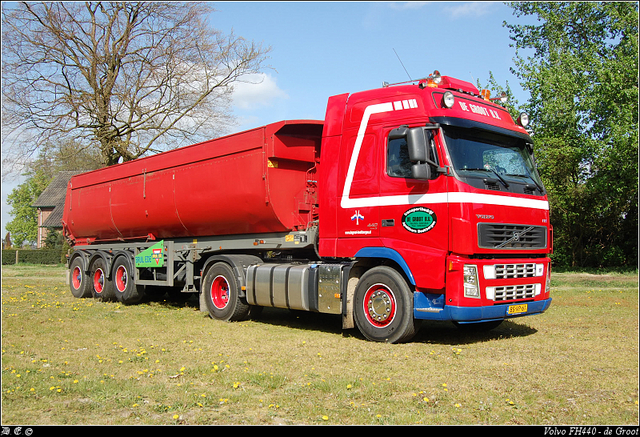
<point x="383" y="306"/>
<point x="125" y="288"/>
<point x="221" y="290"/>
<point x="79" y="282"/>
<point x="102" y="286"/>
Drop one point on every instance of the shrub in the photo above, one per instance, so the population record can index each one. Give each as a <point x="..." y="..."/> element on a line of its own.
<point x="31" y="256"/>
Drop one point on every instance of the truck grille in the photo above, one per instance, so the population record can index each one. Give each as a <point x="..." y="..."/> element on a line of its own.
<point x="506" y="236"/>
<point x="513" y="292"/>
<point x="510" y="271"/>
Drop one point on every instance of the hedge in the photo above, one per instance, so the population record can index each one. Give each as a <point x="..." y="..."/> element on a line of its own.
<point x="41" y="256"/>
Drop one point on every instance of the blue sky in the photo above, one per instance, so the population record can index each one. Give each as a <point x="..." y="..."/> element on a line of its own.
<point x="320" y="49"/>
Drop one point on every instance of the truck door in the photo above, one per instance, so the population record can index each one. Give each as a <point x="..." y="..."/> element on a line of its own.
<point x="360" y="219"/>
<point x="414" y="215"/>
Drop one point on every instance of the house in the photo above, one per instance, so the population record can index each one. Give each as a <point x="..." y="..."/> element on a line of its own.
<point x="50" y="205"/>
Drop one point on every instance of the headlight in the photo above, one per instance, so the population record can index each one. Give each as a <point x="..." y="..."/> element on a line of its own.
<point x="547" y="285"/>
<point x="448" y="99"/>
<point x="523" y="120"/>
<point x="470" y="279"/>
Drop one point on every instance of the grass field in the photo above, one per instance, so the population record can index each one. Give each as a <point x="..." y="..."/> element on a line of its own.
<point x="79" y="361"/>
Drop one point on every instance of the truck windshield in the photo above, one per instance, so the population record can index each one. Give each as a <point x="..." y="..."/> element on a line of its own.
<point x="477" y="155"/>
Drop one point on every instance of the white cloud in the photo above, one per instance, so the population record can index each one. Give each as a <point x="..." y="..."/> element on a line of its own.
<point x="472" y="9"/>
<point x="256" y="90"/>
<point x="403" y="6"/>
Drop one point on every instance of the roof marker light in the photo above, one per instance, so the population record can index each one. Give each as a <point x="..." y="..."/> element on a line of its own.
<point x="503" y="98"/>
<point x="435" y="77"/>
<point x="432" y="81"/>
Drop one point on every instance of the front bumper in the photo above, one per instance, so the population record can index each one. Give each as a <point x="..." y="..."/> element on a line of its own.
<point x="432" y="307"/>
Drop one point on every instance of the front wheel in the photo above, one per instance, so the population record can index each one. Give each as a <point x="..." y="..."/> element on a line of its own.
<point x="222" y="294"/>
<point x="383" y="306"/>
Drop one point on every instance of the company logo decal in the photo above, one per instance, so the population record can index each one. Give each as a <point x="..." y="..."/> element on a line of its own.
<point x="357" y="217"/>
<point x="152" y="256"/>
<point x="419" y="220"/>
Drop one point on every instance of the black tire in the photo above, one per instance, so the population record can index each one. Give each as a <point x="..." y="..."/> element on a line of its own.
<point x="383" y="306"/>
<point x="79" y="281"/>
<point x="101" y="286"/>
<point x="124" y="285"/>
<point x="221" y="294"/>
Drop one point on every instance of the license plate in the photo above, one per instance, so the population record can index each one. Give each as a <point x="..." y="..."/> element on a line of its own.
<point x="517" y="309"/>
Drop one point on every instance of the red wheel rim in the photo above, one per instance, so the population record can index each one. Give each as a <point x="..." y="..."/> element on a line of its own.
<point x="220" y="292"/>
<point x="76" y="277"/>
<point x="98" y="281"/>
<point x="121" y="279"/>
<point x="379" y="305"/>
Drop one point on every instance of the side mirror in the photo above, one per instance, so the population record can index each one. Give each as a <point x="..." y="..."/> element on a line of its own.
<point x="416" y="145"/>
<point x="399" y="132"/>
<point x="418" y="140"/>
<point x="421" y="171"/>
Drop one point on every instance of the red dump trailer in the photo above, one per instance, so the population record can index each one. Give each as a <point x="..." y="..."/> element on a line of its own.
<point x="411" y="202"/>
<point x="258" y="181"/>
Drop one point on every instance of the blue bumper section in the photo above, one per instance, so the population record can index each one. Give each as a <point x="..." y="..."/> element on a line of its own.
<point x="432" y="307"/>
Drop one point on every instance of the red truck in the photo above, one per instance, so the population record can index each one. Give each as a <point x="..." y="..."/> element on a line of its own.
<point x="416" y="201"/>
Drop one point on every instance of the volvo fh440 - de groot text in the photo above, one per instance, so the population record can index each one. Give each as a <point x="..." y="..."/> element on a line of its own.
<point x="418" y="201"/>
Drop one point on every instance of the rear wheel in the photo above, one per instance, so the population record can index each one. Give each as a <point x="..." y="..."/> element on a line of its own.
<point x="102" y="287"/>
<point x="222" y="294"/>
<point x="79" y="282"/>
<point x="383" y="306"/>
<point x="125" y="289"/>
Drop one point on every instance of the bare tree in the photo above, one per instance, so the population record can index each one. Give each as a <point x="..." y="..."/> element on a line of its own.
<point x="127" y="78"/>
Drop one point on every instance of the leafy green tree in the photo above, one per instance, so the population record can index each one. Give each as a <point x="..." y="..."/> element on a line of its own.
<point x="54" y="239"/>
<point x="125" y="78"/>
<point x="24" y="225"/>
<point x="53" y="157"/>
<point x="580" y="64"/>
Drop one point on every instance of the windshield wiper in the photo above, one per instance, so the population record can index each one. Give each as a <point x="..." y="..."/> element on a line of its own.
<point x="538" y="186"/>
<point x="490" y="169"/>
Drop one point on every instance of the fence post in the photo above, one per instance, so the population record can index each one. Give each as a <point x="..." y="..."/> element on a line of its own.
<point x="16" y="256"/>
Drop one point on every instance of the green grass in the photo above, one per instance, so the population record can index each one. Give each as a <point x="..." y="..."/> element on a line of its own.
<point x="79" y="361"/>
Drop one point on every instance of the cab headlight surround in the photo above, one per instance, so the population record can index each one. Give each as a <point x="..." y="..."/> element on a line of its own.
<point x="470" y="281"/>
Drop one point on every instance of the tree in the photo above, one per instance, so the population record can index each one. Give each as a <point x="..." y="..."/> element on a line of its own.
<point x="127" y="78"/>
<point x="52" y="158"/>
<point x="580" y="64"/>
<point x="24" y="225"/>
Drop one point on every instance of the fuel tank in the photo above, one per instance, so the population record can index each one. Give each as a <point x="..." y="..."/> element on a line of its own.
<point x="258" y="181"/>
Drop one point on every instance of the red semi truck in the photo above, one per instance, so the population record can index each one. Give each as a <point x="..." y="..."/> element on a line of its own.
<point x="417" y="201"/>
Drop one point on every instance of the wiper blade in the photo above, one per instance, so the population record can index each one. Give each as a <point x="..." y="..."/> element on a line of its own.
<point x="505" y="183"/>
<point x="538" y="186"/>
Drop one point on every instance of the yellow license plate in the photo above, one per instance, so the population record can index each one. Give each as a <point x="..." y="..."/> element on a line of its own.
<point x="517" y="309"/>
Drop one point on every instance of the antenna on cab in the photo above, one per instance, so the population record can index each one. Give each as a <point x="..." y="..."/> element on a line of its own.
<point x="405" y="70"/>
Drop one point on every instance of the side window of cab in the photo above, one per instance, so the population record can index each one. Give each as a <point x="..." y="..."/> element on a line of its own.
<point x="398" y="162"/>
